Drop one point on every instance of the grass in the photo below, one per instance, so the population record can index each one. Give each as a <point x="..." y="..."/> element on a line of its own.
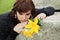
<point x="6" y="5"/>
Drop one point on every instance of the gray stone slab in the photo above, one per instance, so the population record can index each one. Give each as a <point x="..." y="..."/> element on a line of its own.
<point x="50" y="29"/>
<point x="45" y="3"/>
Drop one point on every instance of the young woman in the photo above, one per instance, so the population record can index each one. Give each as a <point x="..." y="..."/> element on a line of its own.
<point x="12" y="23"/>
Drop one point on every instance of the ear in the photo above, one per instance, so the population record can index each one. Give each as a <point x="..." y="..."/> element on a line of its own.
<point x="15" y="16"/>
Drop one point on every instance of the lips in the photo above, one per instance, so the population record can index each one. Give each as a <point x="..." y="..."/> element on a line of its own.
<point x="24" y="20"/>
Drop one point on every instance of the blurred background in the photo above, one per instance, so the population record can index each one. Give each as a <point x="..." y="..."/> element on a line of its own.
<point x="6" y="5"/>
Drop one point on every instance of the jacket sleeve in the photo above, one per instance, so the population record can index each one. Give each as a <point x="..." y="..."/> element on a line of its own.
<point x="48" y="11"/>
<point x="12" y="35"/>
<point x="6" y="33"/>
<point x="6" y="28"/>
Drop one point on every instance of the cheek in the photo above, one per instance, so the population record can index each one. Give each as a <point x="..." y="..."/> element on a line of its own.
<point x="28" y="17"/>
<point x="19" y="17"/>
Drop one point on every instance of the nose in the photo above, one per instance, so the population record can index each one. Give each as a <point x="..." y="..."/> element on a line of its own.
<point x="24" y="17"/>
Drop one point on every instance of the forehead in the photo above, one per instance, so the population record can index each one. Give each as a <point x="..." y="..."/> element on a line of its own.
<point x="24" y="12"/>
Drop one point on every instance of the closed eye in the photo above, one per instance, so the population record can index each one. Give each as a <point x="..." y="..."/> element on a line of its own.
<point x="28" y="14"/>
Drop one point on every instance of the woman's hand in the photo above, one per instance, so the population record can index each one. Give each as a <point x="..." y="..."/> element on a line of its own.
<point x="41" y="16"/>
<point x="19" y="27"/>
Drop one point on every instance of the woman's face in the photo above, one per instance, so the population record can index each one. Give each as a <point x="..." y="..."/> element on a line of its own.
<point x="24" y="16"/>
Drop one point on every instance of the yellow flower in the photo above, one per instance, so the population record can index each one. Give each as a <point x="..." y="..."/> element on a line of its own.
<point x="31" y="28"/>
<point x="27" y="33"/>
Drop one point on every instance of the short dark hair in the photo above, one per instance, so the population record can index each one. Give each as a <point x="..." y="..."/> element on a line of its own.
<point x="23" y="6"/>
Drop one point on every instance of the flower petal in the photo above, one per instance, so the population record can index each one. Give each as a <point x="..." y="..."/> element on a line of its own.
<point x="27" y="33"/>
<point x="30" y="21"/>
<point x="35" y="20"/>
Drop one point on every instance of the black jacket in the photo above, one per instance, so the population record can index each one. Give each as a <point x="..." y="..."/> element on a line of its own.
<point x="7" y="24"/>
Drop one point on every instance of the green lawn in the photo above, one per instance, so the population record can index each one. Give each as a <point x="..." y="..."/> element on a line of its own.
<point x="6" y="5"/>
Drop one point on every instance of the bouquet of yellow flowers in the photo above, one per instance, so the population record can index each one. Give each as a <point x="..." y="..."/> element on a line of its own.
<point x="32" y="27"/>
